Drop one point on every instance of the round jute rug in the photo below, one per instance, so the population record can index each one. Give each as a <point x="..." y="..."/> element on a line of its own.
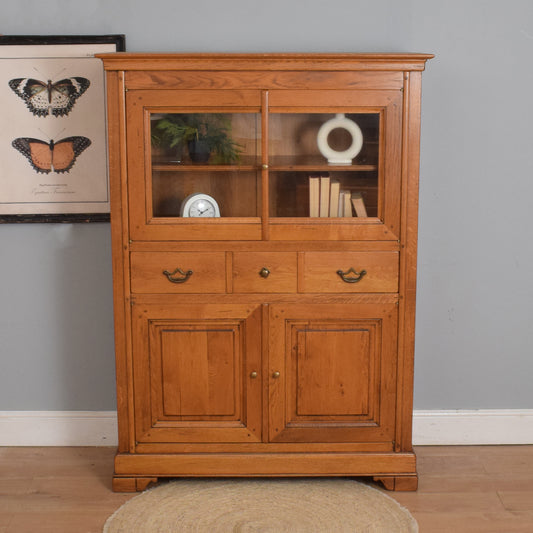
<point x="259" y="505"/>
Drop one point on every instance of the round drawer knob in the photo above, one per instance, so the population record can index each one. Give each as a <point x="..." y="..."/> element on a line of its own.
<point x="253" y="374"/>
<point x="275" y="375"/>
<point x="264" y="272"/>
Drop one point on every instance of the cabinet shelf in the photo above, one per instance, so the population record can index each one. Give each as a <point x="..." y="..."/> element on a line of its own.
<point x="323" y="168"/>
<point x="169" y="167"/>
<point x="170" y="164"/>
<point x="278" y="163"/>
<point x="314" y="164"/>
<point x="177" y="167"/>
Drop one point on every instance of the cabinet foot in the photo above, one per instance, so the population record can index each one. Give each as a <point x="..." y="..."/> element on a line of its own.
<point x="399" y="483"/>
<point x="132" y="484"/>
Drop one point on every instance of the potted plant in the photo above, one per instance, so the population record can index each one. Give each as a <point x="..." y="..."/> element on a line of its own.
<point x="203" y="134"/>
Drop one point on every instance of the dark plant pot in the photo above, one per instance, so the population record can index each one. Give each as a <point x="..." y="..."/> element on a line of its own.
<point x="199" y="151"/>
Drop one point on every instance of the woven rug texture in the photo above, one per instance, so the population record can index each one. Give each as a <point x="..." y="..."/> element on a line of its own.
<point x="259" y="505"/>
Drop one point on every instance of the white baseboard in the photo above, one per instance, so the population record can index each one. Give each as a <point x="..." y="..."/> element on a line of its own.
<point x="483" y="426"/>
<point x="58" y="428"/>
<point x="99" y="428"/>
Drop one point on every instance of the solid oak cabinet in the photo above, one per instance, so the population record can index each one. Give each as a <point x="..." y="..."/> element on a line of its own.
<point x="264" y="223"/>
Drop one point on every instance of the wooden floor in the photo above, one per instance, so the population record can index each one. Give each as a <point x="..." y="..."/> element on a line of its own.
<point x="461" y="489"/>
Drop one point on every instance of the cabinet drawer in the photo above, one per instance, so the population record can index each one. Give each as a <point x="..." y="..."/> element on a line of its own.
<point x="324" y="272"/>
<point x="152" y="272"/>
<point x="265" y="272"/>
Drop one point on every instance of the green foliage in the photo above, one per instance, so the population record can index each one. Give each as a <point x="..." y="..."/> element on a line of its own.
<point x="214" y="129"/>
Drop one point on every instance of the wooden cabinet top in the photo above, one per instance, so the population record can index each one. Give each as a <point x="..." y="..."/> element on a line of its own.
<point x="278" y="61"/>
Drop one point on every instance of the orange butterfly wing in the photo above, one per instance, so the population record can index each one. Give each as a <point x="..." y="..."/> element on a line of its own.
<point x="65" y="152"/>
<point x="46" y="157"/>
<point x="41" y="156"/>
<point x="62" y="156"/>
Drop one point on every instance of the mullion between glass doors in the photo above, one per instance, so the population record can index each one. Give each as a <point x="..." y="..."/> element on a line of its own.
<point x="264" y="166"/>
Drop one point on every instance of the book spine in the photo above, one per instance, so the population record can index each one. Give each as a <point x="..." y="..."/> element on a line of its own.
<point x="324" y="196"/>
<point x="314" y="196"/>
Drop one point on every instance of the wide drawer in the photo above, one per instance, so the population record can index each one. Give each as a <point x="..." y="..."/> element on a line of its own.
<point x="265" y="272"/>
<point x="178" y="272"/>
<point x="349" y="272"/>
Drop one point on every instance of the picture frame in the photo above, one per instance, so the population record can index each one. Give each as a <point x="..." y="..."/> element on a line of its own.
<point x="53" y="149"/>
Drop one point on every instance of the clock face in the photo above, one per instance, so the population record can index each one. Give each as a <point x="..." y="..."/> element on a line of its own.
<point x="199" y="205"/>
<point x="202" y="208"/>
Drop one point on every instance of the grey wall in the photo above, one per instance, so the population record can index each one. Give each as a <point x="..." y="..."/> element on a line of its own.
<point x="474" y="336"/>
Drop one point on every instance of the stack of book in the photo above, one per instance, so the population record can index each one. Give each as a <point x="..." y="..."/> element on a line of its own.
<point x="327" y="199"/>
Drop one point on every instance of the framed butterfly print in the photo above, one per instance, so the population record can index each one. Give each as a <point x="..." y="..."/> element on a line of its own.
<point x="53" y="156"/>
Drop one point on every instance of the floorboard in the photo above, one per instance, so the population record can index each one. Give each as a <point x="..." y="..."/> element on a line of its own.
<point x="467" y="489"/>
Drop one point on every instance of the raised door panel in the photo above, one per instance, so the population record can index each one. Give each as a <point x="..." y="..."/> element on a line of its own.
<point x="194" y="375"/>
<point x="327" y="388"/>
<point x="199" y="369"/>
<point x="332" y="373"/>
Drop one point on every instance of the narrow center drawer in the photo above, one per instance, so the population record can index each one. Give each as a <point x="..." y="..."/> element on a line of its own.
<point x="349" y="272"/>
<point x="178" y="272"/>
<point x="265" y="272"/>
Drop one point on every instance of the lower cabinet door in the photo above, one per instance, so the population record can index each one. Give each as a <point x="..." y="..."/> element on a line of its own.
<point x="197" y="373"/>
<point x="332" y="372"/>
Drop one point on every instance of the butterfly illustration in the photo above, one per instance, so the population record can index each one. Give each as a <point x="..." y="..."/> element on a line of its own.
<point x="46" y="157"/>
<point x="43" y="98"/>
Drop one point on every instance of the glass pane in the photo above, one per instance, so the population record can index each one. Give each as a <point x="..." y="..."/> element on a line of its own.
<point x="215" y="155"/>
<point x="324" y="165"/>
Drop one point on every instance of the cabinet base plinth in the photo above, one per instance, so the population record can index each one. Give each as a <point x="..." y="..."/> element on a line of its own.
<point x="132" y="484"/>
<point x="399" y="483"/>
<point x="134" y="472"/>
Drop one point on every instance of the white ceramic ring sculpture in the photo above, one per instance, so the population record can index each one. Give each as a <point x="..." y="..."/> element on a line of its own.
<point x="344" y="157"/>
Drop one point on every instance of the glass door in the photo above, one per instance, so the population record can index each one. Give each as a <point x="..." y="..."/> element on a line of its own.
<point x="202" y="179"/>
<point x="334" y="165"/>
<point x="205" y="165"/>
<point x="324" y="165"/>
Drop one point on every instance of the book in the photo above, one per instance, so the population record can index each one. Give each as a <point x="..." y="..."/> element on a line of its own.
<point x="334" y="193"/>
<point x="324" y="196"/>
<point x="340" y="209"/>
<point x="345" y="201"/>
<point x="314" y="196"/>
<point x="358" y="205"/>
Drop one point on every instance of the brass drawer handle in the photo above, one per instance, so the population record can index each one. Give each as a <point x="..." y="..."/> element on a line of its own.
<point x="264" y="272"/>
<point x="170" y="275"/>
<point x="346" y="279"/>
